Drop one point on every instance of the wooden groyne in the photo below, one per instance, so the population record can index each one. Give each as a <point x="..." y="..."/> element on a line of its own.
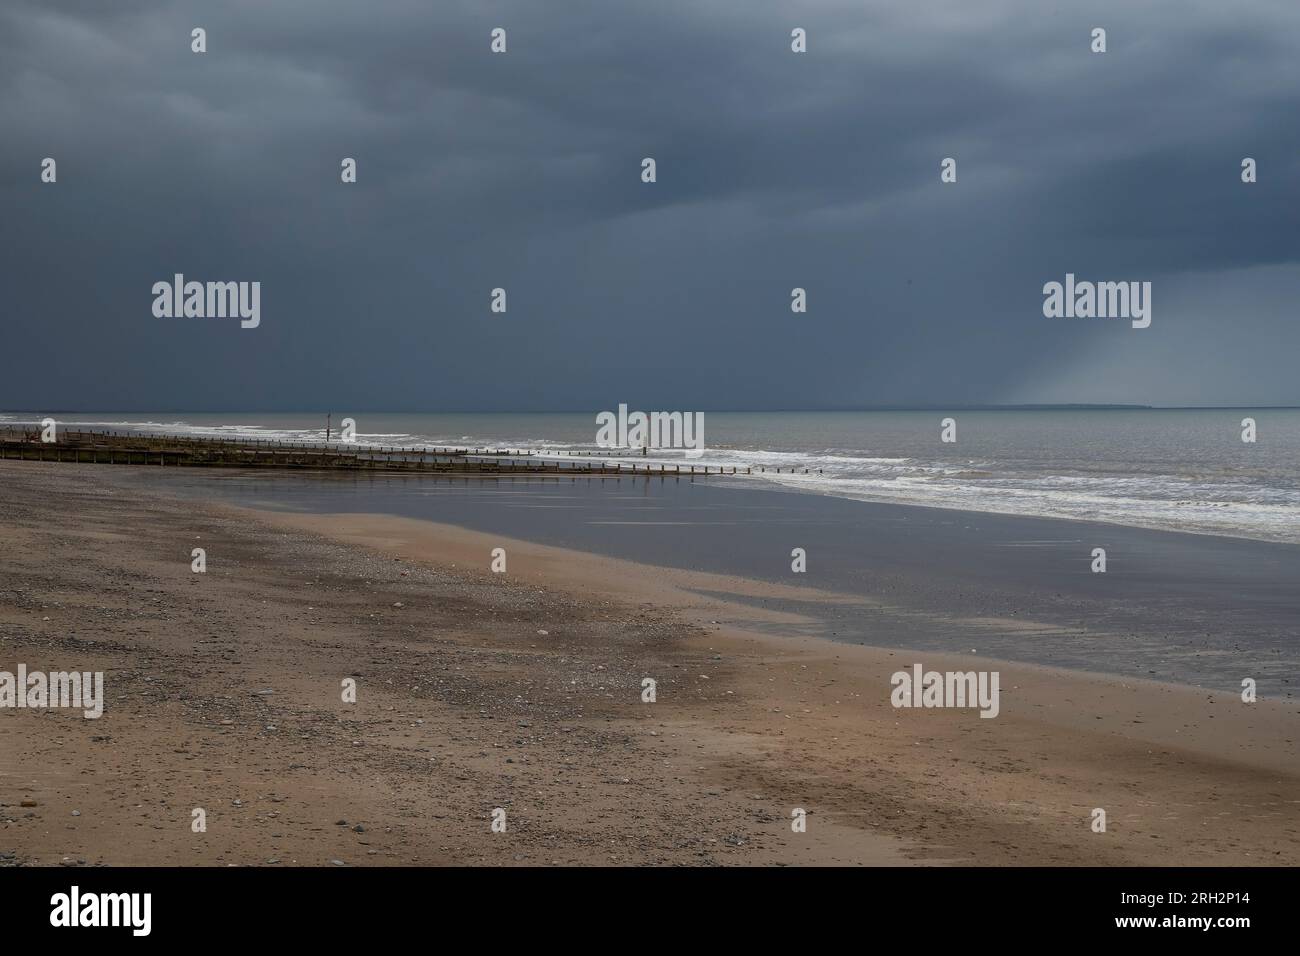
<point x="185" y="451"/>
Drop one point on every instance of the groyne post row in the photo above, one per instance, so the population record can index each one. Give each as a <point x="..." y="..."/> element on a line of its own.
<point x="168" y="451"/>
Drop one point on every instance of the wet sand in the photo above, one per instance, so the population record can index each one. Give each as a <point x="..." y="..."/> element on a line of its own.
<point x="523" y="690"/>
<point x="1183" y="608"/>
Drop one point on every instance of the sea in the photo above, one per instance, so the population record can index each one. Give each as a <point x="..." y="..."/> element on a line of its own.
<point x="1169" y="469"/>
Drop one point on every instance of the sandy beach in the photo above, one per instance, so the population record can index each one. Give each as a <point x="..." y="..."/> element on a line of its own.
<point x="523" y="691"/>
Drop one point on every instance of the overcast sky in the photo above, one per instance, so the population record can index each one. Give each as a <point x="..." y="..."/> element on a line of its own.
<point x="523" y="171"/>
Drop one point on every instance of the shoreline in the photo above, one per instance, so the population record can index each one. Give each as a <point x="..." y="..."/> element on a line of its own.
<point x="691" y="595"/>
<point x="771" y="483"/>
<point x="1201" y="488"/>
<point x="1180" y="608"/>
<point x="746" y="726"/>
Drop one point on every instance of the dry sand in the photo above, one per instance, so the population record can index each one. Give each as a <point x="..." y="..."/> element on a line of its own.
<point x="523" y="691"/>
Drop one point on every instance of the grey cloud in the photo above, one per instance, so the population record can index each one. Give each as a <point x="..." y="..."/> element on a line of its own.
<point x="522" y="171"/>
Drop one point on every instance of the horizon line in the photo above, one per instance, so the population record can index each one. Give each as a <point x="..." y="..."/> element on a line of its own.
<point x="1020" y="406"/>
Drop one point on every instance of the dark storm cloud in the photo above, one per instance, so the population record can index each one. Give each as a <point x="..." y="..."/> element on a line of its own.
<point x="775" y="170"/>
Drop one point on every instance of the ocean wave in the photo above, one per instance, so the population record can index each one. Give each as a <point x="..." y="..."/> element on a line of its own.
<point x="1269" y="514"/>
<point x="1199" y="495"/>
